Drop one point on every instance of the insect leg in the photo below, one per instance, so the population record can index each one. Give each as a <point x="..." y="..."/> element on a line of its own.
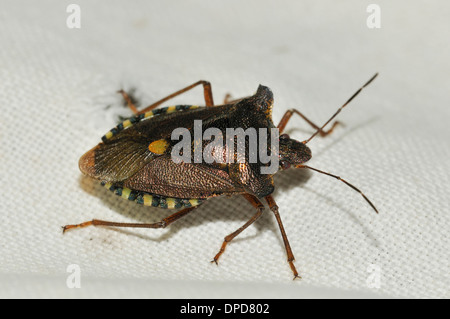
<point x="287" y="116"/>
<point x="162" y="224"/>
<point x="129" y="101"/>
<point x="290" y="256"/>
<point x="229" y="100"/>
<point x="259" y="207"/>
<point x="206" y="91"/>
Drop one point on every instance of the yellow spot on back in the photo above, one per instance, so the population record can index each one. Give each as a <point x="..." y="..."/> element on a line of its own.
<point x="158" y="147"/>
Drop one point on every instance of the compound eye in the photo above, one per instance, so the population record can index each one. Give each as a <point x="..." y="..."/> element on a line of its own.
<point x="284" y="136"/>
<point x="285" y="164"/>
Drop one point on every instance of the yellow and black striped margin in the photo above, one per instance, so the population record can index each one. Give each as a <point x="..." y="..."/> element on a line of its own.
<point x="135" y="119"/>
<point x="148" y="199"/>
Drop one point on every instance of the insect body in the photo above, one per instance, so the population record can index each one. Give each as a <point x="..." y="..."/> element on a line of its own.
<point x="135" y="159"/>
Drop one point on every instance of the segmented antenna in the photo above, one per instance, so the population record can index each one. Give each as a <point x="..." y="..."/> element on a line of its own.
<point x="339" y="110"/>
<point x="342" y="180"/>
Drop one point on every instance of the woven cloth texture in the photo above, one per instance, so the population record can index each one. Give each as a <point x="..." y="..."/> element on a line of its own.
<point x="58" y="97"/>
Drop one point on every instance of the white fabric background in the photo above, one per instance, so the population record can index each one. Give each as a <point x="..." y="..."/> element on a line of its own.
<point x="55" y="85"/>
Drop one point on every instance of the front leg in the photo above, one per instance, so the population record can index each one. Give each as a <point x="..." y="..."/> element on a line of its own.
<point x="287" y="116"/>
<point x="290" y="256"/>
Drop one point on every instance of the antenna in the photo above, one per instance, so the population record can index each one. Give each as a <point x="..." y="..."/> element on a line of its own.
<point x="342" y="180"/>
<point x="339" y="110"/>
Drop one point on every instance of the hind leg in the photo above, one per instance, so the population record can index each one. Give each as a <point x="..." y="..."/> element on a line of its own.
<point x="161" y="224"/>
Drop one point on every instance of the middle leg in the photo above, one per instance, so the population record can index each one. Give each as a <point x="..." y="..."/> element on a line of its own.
<point x="287" y="116"/>
<point x="259" y="207"/>
<point x="290" y="256"/>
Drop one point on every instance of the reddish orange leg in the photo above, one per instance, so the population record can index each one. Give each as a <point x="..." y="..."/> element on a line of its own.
<point x="209" y="101"/>
<point x="290" y="256"/>
<point x="162" y="224"/>
<point x="229" y="99"/>
<point x="259" y="207"/>
<point x="129" y="101"/>
<point x="287" y="116"/>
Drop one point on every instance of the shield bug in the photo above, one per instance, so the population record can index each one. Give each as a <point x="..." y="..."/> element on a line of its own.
<point x="135" y="159"/>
